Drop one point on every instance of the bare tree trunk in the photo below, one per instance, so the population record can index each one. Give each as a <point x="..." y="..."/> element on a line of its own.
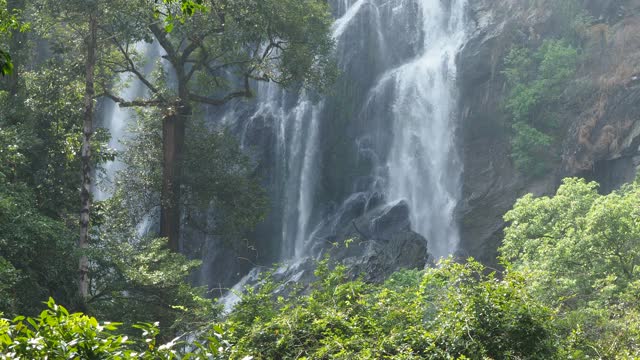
<point x="85" y="191"/>
<point x="173" y="130"/>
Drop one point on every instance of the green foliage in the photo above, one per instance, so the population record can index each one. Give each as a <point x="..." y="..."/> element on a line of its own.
<point x="132" y="278"/>
<point x="6" y="64"/>
<point x="569" y="290"/>
<point x="38" y="187"/>
<point x="40" y="136"/>
<point x="187" y="8"/>
<point x="137" y="279"/>
<point x="284" y="41"/>
<point x="218" y="177"/>
<point x="570" y="19"/>
<point x="9" y="22"/>
<point x="24" y="232"/>
<point x="41" y="124"/>
<point x="57" y="334"/>
<point x="581" y="253"/>
<point x="530" y="149"/>
<point x="452" y="312"/>
<point x="537" y="81"/>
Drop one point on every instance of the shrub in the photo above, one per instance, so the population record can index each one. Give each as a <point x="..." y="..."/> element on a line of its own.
<point x="58" y="334"/>
<point x="580" y="251"/>
<point x="453" y="312"/>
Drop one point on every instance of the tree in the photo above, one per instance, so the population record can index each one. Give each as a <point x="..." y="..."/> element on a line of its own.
<point x="87" y="132"/>
<point x="36" y="256"/>
<point x="581" y="253"/>
<point x="40" y="133"/>
<point x="214" y="56"/>
<point x="69" y="16"/>
<point x="85" y="23"/>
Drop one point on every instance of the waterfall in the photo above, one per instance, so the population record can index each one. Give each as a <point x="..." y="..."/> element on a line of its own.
<point x="423" y="165"/>
<point x="296" y="150"/>
<point x="398" y="61"/>
<point x="115" y="120"/>
<point x="384" y="135"/>
<point x="412" y="106"/>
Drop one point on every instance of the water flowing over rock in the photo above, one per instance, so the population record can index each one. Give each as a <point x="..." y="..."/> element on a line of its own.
<point x="412" y="144"/>
<point x="381" y="144"/>
<point x="372" y="246"/>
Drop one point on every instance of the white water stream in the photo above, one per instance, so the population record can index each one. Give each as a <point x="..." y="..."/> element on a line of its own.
<point x="411" y="107"/>
<point x="423" y="167"/>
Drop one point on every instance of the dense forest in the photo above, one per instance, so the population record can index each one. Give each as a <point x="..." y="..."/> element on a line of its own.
<point x="447" y="180"/>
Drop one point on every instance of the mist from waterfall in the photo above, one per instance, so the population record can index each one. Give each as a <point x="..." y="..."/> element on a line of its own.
<point x="117" y="120"/>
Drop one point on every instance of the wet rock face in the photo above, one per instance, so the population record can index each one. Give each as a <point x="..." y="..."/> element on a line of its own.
<point x="600" y="142"/>
<point x="372" y="245"/>
<point x="490" y="182"/>
<point x="372" y="240"/>
<point x="377" y="244"/>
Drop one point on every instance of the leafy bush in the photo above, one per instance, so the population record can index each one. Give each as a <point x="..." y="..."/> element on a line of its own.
<point x="36" y="253"/>
<point x="530" y="149"/>
<point x="146" y="282"/>
<point x="453" y="312"/>
<point x="57" y="334"/>
<point x="569" y="290"/>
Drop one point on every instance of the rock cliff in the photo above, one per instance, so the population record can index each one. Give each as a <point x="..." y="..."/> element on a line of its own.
<point x="600" y="131"/>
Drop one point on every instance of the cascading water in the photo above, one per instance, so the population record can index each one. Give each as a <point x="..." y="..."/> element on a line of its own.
<point x="386" y="134"/>
<point x="407" y="120"/>
<point x="115" y="120"/>
<point x="423" y="165"/>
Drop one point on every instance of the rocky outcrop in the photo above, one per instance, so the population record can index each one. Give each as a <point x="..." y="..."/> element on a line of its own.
<point x="601" y="132"/>
<point x="598" y="139"/>
<point x="377" y="244"/>
<point x="603" y="143"/>
<point x="371" y="246"/>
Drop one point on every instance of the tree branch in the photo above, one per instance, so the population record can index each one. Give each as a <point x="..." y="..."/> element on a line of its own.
<point x="161" y="36"/>
<point x="134" y="103"/>
<point x="132" y="68"/>
<point x="246" y="93"/>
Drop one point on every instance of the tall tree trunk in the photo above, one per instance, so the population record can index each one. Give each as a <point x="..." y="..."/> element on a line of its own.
<point x="173" y="130"/>
<point x="85" y="191"/>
